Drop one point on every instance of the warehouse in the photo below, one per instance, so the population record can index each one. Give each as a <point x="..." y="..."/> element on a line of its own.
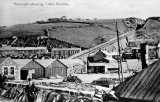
<point x="53" y="68"/>
<point x="21" y="63"/>
<point x="33" y="70"/>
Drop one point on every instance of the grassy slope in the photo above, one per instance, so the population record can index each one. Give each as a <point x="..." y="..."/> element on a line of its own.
<point x="31" y="29"/>
<point x="150" y="30"/>
<point x="81" y="36"/>
<point x="76" y="33"/>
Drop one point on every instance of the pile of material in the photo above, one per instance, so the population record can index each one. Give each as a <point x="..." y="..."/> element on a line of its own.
<point x="67" y="85"/>
<point x="18" y="93"/>
<point x="50" y="92"/>
<point x="46" y="92"/>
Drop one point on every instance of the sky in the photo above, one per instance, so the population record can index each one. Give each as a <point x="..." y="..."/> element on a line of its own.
<point x="23" y="11"/>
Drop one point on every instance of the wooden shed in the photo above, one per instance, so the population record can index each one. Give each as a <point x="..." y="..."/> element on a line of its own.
<point x="53" y="68"/>
<point x="21" y="63"/>
<point x="32" y="69"/>
<point x="142" y="87"/>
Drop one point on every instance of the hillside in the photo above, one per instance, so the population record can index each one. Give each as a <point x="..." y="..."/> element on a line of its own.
<point x="150" y="31"/>
<point x="32" y="29"/>
<point x="84" y="33"/>
<point x="82" y="36"/>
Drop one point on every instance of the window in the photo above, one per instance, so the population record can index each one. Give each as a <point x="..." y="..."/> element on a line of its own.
<point x="66" y="52"/>
<point x="56" y="52"/>
<point x="5" y="70"/>
<point x="62" y="52"/>
<point x="12" y="70"/>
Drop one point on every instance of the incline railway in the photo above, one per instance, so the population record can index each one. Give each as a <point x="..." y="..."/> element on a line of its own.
<point x="104" y="45"/>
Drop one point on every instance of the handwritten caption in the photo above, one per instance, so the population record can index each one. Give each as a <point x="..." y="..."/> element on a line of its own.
<point x="41" y="4"/>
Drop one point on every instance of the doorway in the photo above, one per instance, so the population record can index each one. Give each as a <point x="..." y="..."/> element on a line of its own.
<point x="24" y="74"/>
<point x="99" y="69"/>
<point x="96" y="69"/>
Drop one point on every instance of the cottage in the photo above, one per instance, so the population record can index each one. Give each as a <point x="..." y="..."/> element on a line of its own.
<point x="2" y="60"/>
<point x="9" y="68"/>
<point x="63" y="53"/>
<point x="97" y="62"/>
<point x="22" y="52"/>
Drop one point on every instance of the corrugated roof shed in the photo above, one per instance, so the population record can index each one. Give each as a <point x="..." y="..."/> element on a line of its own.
<point x="144" y="86"/>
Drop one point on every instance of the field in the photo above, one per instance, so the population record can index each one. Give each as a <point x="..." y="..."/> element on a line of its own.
<point x="32" y="29"/>
<point x="86" y="34"/>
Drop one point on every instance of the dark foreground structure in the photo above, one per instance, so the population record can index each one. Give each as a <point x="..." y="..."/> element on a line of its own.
<point x="142" y="87"/>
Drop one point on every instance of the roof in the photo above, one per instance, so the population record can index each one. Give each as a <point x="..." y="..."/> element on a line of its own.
<point x="2" y="60"/>
<point x="110" y="58"/>
<point x="22" y="62"/>
<point x="66" y="49"/>
<point x="45" y="62"/>
<point x="7" y="48"/>
<point x="21" y="48"/>
<point x="144" y="86"/>
<point x="71" y="62"/>
<point x="31" y="48"/>
<point x="108" y="54"/>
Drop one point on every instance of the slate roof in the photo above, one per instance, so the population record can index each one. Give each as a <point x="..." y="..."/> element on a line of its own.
<point x="71" y="62"/>
<point x="45" y="62"/>
<point x="22" y="62"/>
<point x="22" y="48"/>
<point x="7" y="48"/>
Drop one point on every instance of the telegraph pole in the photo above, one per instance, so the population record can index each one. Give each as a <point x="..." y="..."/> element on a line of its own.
<point x="120" y="72"/>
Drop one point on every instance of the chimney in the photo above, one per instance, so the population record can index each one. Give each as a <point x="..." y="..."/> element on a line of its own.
<point x="144" y="55"/>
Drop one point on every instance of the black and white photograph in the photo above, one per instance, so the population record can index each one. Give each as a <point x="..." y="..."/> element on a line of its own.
<point x="79" y="51"/>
